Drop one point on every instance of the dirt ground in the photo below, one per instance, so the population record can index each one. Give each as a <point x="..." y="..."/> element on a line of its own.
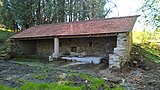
<point x="144" y="75"/>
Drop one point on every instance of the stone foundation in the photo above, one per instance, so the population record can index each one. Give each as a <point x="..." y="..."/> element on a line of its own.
<point x="121" y="51"/>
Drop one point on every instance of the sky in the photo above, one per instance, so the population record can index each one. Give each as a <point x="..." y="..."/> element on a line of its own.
<point x="127" y="8"/>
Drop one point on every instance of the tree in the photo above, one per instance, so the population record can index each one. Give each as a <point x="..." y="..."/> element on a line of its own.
<point x="6" y="14"/>
<point x="22" y="14"/>
<point x="151" y="12"/>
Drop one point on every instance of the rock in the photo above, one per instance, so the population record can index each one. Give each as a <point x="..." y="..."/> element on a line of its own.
<point x="115" y="80"/>
<point x="114" y="69"/>
<point x="122" y="82"/>
<point x="152" y="83"/>
<point x="8" y="50"/>
<point x="144" y="67"/>
<point x="7" y="57"/>
<point x="50" y="58"/>
<point x="147" y="68"/>
<point x="82" y="54"/>
<point x="135" y="72"/>
<point x="158" y="68"/>
<point x="111" y="85"/>
<point x="135" y="62"/>
<point x="3" y="55"/>
<point x="105" y="60"/>
<point x="78" y="54"/>
<point x="11" y="83"/>
<point x="1" y="58"/>
<point x="106" y="79"/>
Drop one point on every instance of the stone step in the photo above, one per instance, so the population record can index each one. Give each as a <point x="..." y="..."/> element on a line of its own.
<point x="3" y="55"/>
<point x="1" y="58"/>
<point x="3" y="52"/>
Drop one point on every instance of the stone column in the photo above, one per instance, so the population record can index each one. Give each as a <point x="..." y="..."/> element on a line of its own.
<point x="120" y="54"/>
<point x="56" y="48"/>
<point x="56" y="45"/>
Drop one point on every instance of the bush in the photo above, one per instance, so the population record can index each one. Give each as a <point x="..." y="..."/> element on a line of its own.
<point x="4" y="35"/>
<point x="3" y="47"/>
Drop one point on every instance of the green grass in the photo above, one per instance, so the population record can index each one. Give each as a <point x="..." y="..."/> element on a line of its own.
<point x="69" y="82"/>
<point x="52" y="86"/>
<point x="92" y="82"/>
<point x="2" y="87"/>
<point x="21" y="80"/>
<point x="147" y="45"/>
<point x="4" y="35"/>
<point x="45" y="86"/>
<point x="152" y="51"/>
<point x="147" y="52"/>
<point x="40" y="76"/>
<point x="41" y="86"/>
<point x="152" y="54"/>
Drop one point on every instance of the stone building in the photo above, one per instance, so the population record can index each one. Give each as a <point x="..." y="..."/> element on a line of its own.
<point x="110" y="38"/>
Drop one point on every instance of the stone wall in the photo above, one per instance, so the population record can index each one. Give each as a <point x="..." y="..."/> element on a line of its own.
<point x="99" y="46"/>
<point x="92" y="46"/>
<point x="25" y="47"/>
<point x="44" y="47"/>
<point x="121" y="52"/>
<point x="32" y="47"/>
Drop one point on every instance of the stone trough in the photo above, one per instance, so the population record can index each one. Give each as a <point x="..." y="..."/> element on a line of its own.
<point x="83" y="60"/>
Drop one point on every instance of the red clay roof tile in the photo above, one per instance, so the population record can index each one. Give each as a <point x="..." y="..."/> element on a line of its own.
<point x="86" y="27"/>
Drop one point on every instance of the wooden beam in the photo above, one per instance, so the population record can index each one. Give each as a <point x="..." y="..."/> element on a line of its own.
<point x="70" y="36"/>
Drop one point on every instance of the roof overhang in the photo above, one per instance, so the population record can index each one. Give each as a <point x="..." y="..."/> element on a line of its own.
<point x="69" y="36"/>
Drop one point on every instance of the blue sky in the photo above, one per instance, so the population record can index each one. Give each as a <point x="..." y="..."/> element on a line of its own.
<point x="126" y="8"/>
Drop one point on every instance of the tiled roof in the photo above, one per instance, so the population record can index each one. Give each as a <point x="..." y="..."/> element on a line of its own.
<point x="86" y="27"/>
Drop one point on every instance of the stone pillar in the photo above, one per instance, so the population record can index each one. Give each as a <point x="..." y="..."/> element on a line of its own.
<point x="56" y="48"/>
<point x="120" y="54"/>
<point x="56" y="45"/>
